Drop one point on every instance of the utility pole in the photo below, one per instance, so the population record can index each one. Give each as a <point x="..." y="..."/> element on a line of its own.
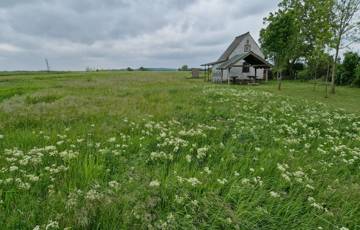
<point x="47" y="65"/>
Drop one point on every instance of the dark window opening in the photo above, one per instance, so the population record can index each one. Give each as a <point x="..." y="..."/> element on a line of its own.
<point x="246" y="68"/>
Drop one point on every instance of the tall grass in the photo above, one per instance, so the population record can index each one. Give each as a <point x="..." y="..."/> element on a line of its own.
<point x="155" y="151"/>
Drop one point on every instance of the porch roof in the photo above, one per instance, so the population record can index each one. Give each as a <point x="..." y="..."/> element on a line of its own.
<point x="212" y="63"/>
<point x="250" y="57"/>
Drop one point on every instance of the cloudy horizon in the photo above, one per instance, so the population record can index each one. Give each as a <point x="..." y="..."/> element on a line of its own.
<point x="74" y="35"/>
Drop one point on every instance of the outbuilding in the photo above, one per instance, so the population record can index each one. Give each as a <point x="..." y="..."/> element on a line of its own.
<point x="242" y="61"/>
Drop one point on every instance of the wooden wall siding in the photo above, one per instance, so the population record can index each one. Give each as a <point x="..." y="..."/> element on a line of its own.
<point x="237" y="71"/>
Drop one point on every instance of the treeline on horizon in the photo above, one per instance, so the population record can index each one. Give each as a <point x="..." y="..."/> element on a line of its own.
<point x="30" y="72"/>
<point x="304" y="40"/>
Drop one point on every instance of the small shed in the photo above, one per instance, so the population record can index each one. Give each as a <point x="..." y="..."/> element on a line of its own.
<point x="195" y="73"/>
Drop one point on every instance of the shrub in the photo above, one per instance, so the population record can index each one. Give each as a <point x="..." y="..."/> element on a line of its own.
<point x="304" y="74"/>
<point x="356" y="81"/>
<point x="346" y="71"/>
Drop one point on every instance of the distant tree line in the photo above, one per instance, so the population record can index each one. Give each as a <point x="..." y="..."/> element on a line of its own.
<point x="184" y="68"/>
<point x="139" y="69"/>
<point x="304" y="39"/>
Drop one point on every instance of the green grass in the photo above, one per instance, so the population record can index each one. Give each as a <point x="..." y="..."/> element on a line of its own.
<point x="346" y="98"/>
<point x="148" y="150"/>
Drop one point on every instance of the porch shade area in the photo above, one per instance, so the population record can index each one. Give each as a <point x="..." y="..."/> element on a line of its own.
<point x="250" y="58"/>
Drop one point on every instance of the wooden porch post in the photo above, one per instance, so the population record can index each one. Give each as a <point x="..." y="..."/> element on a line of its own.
<point x="229" y="75"/>
<point x="255" y="75"/>
<point x="266" y="75"/>
<point x="206" y="72"/>
<point x="222" y="75"/>
<point x="209" y="75"/>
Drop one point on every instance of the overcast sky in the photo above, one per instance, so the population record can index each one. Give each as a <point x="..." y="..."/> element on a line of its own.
<point x="74" y="34"/>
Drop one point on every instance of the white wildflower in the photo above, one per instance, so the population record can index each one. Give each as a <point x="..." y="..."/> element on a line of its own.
<point x="318" y="206"/>
<point x="310" y="187"/>
<point x="207" y="170"/>
<point x="188" y="158"/>
<point x="299" y="173"/>
<point x="201" y="152"/>
<point x="154" y="183"/>
<point x="114" y="184"/>
<point x="50" y="148"/>
<point x="274" y="194"/>
<point x="193" y="181"/>
<point x="112" y="139"/>
<point x="13" y="168"/>
<point x="195" y="202"/>
<point x="281" y="167"/>
<point x="60" y="142"/>
<point x="245" y="181"/>
<point x="52" y="225"/>
<point x="180" y="179"/>
<point x="33" y="178"/>
<point x="286" y="177"/>
<point x="222" y="181"/>
<point x="93" y="195"/>
<point x="179" y="199"/>
<point x="311" y="199"/>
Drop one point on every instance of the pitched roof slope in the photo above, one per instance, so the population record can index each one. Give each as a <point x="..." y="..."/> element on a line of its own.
<point x="232" y="47"/>
<point x="236" y="58"/>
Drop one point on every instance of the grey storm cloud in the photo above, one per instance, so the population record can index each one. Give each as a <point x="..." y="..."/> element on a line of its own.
<point x="119" y="33"/>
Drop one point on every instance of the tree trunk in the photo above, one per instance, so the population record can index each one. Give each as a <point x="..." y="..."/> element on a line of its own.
<point x="326" y="81"/>
<point x="291" y="68"/>
<point x="333" y="74"/>
<point x="315" y="75"/>
<point x="279" y="76"/>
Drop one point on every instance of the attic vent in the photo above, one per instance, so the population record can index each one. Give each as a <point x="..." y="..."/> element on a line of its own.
<point x="247" y="47"/>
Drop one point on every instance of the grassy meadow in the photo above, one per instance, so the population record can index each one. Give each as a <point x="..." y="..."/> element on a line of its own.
<point x="155" y="150"/>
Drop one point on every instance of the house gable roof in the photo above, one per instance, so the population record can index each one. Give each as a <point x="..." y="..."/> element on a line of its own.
<point x="225" y="59"/>
<point x="232" y="47"/>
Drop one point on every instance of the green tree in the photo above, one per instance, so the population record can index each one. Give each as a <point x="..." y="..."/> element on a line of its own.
<point x="279" y="40"/>
<point x="184" y="68"/>
<point x="347" y="70"/>
<point x="317" y="29"/>
<point x="345" y="27"/>
<point x="356" y="81"/>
